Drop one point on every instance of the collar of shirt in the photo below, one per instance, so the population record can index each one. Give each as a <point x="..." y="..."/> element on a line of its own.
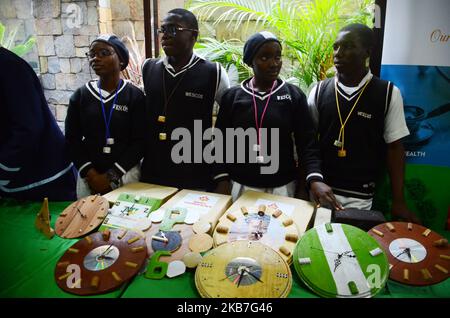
<point x="351" y="90"/>
<point x="172" y="69"/>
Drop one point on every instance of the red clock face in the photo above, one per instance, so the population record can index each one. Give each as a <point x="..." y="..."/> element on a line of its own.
<point x="101" y="262"/>
<point x="417" y="255"/>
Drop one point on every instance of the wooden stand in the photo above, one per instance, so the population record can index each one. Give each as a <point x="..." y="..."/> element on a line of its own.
<point x="42" y="221"/>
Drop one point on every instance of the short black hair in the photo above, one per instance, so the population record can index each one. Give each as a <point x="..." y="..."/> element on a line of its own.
<point x="187" y="16"/>
<point x="364" y="33"/>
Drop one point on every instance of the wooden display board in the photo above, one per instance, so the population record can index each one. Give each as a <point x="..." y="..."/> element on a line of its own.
<point x="149" y="190"/>
<point x="300" y="211"/>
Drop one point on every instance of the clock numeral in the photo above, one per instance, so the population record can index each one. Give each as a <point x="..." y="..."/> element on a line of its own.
<point x="442" y="269"/>
<point x="426" y="232"/>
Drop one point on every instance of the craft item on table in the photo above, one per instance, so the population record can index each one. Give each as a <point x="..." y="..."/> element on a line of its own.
<point x="42" y="221"/>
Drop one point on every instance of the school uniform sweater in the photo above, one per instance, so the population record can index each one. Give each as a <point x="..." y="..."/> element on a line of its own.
<point x="288" y="112"/>
<point x="86" y="128"/>
<point x="355" y="174"/>
<point x="189" y="97"/>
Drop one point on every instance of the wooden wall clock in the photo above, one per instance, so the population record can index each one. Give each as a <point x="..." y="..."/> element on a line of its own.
<point x="82" y="217"/>
<point x="339" y="260"/>
<point x="418" y="256"/>
<point x="243" y="269"/>
<point x="264" y="224"/>
<point x="100" y="262"/>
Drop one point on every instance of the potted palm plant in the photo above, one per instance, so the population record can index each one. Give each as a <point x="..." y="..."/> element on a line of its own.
<point x="306" y="28"/>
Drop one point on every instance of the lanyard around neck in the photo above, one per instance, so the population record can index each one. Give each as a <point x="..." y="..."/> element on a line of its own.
<point x="108" y="119"/>
<point x="255" y="107"/>
<point x="341" y="131"/>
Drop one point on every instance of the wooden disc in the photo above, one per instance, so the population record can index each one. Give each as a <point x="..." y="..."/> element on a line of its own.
<point x="102" y="265"/>
<point x="81" y="217"/>
<point x="243" y="269"/>
<point x="201" y="227"/>
<point x="192" y="259"/>
<point x="200" y="242"/>
<point x="412" y="254"/>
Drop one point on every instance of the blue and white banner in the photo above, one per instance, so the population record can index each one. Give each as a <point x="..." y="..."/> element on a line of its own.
<point x="416" y="58"/>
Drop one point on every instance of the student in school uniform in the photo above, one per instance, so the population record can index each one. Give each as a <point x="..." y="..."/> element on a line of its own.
<point x="104" y="123"/>
<point x="265" y="101"/>
<point x="181" y="89"/>
<point x="360" y="123"/>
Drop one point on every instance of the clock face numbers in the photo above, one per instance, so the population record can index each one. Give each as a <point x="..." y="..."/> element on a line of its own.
<point x="407" y="250"/>
<point x="244" y="269"/>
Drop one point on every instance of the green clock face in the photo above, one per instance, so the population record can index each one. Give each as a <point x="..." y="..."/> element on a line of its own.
<point x="339" y="260"/>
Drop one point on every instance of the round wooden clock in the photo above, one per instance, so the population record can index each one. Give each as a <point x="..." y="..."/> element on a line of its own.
<point x="243" y="269"/>
<point x="82" y="217"/>
<point x="417" y="255"/>
<point x="340" y="260"/>
<point x="263" y="224"/>
<point x="101" y="262"/>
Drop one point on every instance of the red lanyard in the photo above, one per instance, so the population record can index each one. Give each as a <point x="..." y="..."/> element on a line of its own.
<point x="259" y="125"/>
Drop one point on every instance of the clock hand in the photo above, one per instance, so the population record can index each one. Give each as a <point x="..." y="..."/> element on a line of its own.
<point x="253" y="275"/>
<point x="240" y="279"/>
<point x="102" y="255"/>
<point x="82" y="215"/>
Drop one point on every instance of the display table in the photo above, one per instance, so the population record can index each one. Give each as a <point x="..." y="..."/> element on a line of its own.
<point x="28" y="261"/>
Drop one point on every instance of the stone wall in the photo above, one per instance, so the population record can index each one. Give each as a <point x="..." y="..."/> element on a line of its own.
<point x="19" y="14"/>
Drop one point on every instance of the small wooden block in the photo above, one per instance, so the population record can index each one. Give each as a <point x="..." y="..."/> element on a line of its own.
<point x="442" y="269"/>
<point x="352" y="287"/>
<point x="378" y="232"/>
<point x="262" y="208"/>
<point x="409" y="226"/>
<point x="376" y="251"/>
<point x="116" y="276"/>
<point x="406" y="274"/>
<point x="106" y="234"/>
<point x="231" y="217"/>
<point x="162" y="119"/>
<point x="131" y="264"/>
<point x="447" y="257"/>
<point x="426" y="273"/>
<point x="426" y="232"/>
<point x="73" y="250"/>
<point x="390" y="227"/>
<point x="285" y="251"/>
<point x="288" y="222"/>
<point x="63" y="264"/>
<point x="222" y="229"/>
<point x="291" y="237"/>
<point x="162" y="136"/>
<point x="137" y="249"/>
<point x="440" y="243"/>
<point x="244" y="210"/>
<point x="304" y="261"/>
<point x="277" y="213"/>
<point x="94" y="281"/>
<point x="132" y="240"/>
<point x="328" y="227"/>
<point x="64" y="276"/>
<point x="122" y="235"/>
<point x="88" y="240"/>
